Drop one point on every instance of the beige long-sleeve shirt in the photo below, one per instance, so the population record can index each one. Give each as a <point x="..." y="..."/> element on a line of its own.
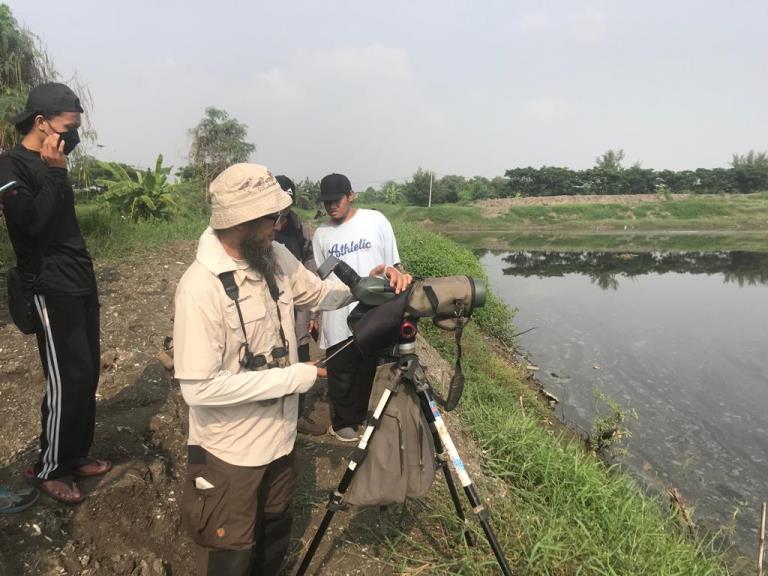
<point x="246" y="418"/>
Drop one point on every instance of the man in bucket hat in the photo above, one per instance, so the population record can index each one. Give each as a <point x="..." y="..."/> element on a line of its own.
<point x="57" y="270"/>
<point x="237" y="363"/>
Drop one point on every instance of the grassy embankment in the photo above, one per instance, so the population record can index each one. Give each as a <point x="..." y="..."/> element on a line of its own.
<point x="733" y="222"/>
<point x="724" y="222"/>
<point x="710" y="212"/>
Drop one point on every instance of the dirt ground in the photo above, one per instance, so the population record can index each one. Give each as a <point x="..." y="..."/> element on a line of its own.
<point x="495" y="207"/>
<point x="129" y="525"/>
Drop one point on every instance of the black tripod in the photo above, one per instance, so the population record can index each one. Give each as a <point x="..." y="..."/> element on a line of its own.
<point x="412" y="373"/>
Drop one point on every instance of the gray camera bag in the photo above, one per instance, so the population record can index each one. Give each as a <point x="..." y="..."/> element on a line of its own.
<point x="400" y="462"/>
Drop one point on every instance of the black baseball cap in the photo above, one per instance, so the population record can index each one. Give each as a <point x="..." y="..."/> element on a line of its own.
<point x="287" y="185"/>
<point x="49" y="97"/>
<point x="334" y="186"/>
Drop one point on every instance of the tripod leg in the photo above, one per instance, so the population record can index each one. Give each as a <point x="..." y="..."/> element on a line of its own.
<point x="469" y="488"/>
<point x="336" y="499"/>
<point x="443" y="459"/>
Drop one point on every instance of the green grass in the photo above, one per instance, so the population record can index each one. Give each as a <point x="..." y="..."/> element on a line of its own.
<point x="725" y="222"/>
<point x="448" y="214"/>
<point x="697" y="212"/>
<point x="110" y="236"/>
<point x="731" y="212"/>
<point x="557" y="510"/>
<point x="732" y="222"/>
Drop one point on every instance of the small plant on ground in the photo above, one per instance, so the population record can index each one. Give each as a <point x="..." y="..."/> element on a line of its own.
<point x="610" y="430"/>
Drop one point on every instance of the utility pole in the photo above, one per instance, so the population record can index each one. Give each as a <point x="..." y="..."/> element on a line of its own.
<point x="430" y="190"/>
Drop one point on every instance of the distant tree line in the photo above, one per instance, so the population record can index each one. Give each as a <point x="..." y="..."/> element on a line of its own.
<point x="747" y="173"/>
<point x="445" y="190"/>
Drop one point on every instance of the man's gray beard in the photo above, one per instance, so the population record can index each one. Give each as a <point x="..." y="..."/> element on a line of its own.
<point x="260" y="258"/>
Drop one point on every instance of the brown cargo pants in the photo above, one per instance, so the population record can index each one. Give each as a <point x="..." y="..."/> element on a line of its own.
<point x="238" y="516"/>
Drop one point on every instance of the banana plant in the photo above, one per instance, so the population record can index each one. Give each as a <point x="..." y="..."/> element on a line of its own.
<point x="147" y="196"/>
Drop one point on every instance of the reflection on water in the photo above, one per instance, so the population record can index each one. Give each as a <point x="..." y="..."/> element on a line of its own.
<point x="682" y="338"/>
<point x="604" y="268"/>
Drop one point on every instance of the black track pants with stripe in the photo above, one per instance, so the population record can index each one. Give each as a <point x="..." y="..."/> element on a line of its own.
<point x="67" y="329"/>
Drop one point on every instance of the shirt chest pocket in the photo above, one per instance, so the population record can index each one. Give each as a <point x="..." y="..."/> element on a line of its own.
<point x="254" y="321"/>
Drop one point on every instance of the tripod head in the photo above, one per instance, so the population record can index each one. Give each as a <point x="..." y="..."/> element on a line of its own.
<point x="406" y="343"/>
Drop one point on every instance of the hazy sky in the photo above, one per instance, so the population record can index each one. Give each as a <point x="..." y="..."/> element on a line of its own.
<point x="377" y="89"/>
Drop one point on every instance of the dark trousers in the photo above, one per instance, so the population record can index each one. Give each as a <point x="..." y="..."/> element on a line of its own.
<point x="238" y="516"/>
<point x="350" y="376"/>
<point x="67" y="329"/>
<point x="303" y="351"/>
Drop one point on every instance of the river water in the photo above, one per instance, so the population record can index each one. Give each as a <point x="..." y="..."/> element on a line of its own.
<point x="681" y="339"/>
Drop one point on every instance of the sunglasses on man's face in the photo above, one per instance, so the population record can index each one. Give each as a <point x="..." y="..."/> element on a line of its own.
<point x="276" y="217"/>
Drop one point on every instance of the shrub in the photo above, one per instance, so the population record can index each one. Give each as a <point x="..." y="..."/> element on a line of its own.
<point x="146" y="196"/>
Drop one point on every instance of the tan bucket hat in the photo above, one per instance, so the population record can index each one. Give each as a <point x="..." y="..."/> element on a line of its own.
<point x="245" y="192"/>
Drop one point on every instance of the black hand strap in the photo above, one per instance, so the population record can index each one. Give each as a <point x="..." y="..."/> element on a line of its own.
<point x="456" y="386"/>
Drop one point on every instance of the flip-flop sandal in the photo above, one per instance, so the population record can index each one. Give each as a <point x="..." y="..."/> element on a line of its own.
<point x="15" y="501"/>
<point x="103" y="467"/>
<point x="49" y="488"/>
<point x="98" y="467"/>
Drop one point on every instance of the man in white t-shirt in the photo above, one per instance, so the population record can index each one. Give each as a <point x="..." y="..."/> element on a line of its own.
<point x="361" y="238"/>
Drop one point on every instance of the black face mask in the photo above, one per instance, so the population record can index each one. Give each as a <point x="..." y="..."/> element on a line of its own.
<point x="71" y="138"/>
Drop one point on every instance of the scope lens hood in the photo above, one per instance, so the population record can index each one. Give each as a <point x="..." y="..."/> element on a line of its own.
<point x="479" y="292"/>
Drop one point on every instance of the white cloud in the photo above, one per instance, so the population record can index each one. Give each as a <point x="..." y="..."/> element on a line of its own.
<point x="275" y="87"/>
<point x="536" y="22"/>
<point x="587" y="24"/>
<point x="546" y="110"/>
<point x="369" y="78"/>
<point x="346" y="106"/>
<point x="590" y="24"/>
